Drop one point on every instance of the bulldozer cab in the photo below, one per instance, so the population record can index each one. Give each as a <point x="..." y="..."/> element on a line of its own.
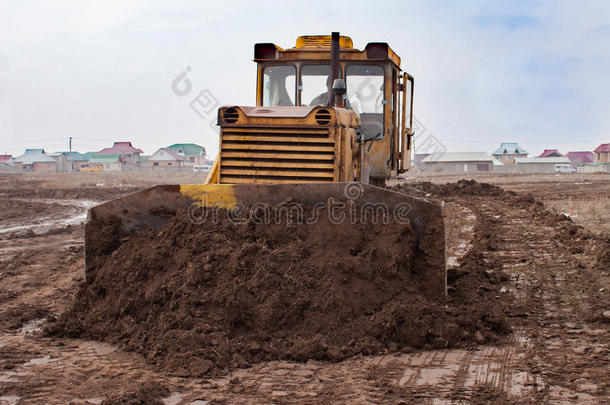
<point x="378" y="92"/>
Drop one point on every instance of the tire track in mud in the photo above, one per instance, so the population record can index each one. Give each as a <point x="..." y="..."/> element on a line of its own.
<point x="555" y="354"/>
<point x="542" y="264"/>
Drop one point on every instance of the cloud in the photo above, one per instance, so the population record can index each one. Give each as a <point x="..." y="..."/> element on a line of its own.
<point x="601" y="30"/>
<point x="485" y="71"/>
<point x="509" y="22"/>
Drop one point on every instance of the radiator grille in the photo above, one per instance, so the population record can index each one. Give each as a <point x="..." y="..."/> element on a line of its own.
<point x="276" y="155"/>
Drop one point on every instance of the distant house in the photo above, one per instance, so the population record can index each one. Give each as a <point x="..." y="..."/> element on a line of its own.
<point x="36" y="160"/>
<point x="580" y="158"/>
<point x="6" y="160"/>
<point x="539" y="165"/>
<point x="128" y="153"/>
<point x="165" y="157"/>
<point x="508" y="152"/>
<point x="63" y="159"/>
<point x="550" y="153"/>
<point x="193" y="154"/>
<point x="457" y="162"/>
<point x="108" y="162"/>
<point x="602" y="153"/>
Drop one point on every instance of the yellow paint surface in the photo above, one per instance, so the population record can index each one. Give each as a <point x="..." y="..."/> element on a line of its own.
<point x="211" y="195"/>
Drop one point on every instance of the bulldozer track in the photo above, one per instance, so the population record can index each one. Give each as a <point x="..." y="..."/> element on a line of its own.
<point x="555" y="354"/>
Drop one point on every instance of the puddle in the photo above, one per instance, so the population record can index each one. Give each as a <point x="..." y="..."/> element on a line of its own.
<point x="173" y="399"/>
<point x="587" y="387"/>
<point x="32" y="326"/>
<point x="462" y="225"/>
<point x="42" y="361"/>
<point x="9" y="400"/>
<point x="12" y="376"/>
<point x="66" y="202"/>
<point x="177" y="398"/>
<point x="95" y="401"/>
<point x="54" y="222"/>
<point x="60" y="245"/>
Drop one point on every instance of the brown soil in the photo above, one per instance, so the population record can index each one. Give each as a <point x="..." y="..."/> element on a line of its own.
<point x="146" y="394"/>
<point x="197" y="299"/>
<point x="556" y="300"/>
<point x="13" y="210"/>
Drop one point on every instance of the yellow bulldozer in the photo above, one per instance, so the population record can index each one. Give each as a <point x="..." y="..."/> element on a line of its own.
<point x="331" y="122"/>
<point x="325" y="112"/>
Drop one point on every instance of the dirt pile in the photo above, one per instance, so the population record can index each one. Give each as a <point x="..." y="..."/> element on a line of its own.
<point x="460" y="188"/>
<point x="199" y="298"/>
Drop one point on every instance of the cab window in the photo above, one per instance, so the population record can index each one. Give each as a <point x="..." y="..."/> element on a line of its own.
<point x="314" y="84"/>
<point x="279" y="85"/>
<point x="365" y="95"/>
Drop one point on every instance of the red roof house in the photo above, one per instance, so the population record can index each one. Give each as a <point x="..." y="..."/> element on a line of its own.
<point x="604" y="147"/>
<point x="550" y="153"/>
<point x="580" y="158"/>
<point x="126" y="151"/>
<point x="121" y="148"/>
<point x="602" y="153"/>
<point x="6" y="159"/>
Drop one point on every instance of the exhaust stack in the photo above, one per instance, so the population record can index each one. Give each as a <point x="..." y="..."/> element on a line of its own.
<point x="334" y="67"/>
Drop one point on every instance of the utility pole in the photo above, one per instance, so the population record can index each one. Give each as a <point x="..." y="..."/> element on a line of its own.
<point x="70" y="157"/>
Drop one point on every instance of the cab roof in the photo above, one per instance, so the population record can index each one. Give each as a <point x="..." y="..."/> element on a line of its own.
<point x="317" y="47"/>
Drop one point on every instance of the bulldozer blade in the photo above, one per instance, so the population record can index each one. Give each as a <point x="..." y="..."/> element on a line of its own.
<point x="110" y="223"/>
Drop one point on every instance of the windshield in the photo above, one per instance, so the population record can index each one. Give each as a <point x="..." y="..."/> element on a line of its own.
<point x="365" y="92"/>
<point x="279" y="85"/>
<point x="314" y="81"/>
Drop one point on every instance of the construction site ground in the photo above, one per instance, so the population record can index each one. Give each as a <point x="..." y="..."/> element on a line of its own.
<point x="558" y="350"/>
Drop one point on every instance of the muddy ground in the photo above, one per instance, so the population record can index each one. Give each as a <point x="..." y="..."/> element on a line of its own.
<point x="556" y="286"/>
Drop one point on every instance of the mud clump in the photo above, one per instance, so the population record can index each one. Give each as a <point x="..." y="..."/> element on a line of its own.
<point x="198" y="299"/>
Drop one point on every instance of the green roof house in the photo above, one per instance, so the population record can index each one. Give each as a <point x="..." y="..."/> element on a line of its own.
<point x="508" y="152"/>
<point x="110" y="162"/>
<point x="193" y="154"/>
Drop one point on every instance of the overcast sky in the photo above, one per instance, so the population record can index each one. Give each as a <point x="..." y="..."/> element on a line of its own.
<point x="535" y="72"/>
